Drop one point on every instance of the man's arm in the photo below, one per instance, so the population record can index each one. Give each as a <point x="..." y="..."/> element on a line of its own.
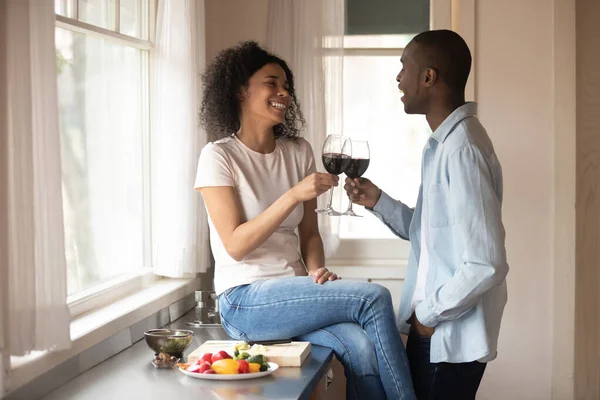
<point x="394" y="214"/>
<point x="477" y="210"/>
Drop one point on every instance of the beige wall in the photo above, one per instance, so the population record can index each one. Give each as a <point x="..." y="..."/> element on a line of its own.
<point x="231" y="21"/>
<point x="514" y="59"/>
<point x="514" y="88"/>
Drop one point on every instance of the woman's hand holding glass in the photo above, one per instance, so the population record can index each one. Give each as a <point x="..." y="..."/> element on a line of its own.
<point x="313" y="186"/>
<point x="336" y="155"/>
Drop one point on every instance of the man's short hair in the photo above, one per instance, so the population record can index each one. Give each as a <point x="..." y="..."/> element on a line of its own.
<point x="446" y="52"/>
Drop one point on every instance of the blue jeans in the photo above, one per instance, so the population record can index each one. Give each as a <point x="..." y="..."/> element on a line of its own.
<point x="441" y="381"/>
<point x="347" y="316"/>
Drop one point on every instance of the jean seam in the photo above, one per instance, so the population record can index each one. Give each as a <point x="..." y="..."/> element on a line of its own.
<point x="242" y="333"/>
<point x="387" y="361"/>
<point x="435" y="370"/>
<point x="295" y="301"/>
<point x="226" y="298"/>
<point x="348" y="352"/>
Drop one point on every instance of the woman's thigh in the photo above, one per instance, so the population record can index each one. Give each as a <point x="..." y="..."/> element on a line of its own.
<point x="289" y="307"/>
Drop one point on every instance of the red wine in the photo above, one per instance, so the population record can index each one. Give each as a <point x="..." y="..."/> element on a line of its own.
<point x="357" y="167"/>
<point x="335" y="163"/>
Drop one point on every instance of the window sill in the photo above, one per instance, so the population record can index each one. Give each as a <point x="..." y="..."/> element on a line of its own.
<point x="375" y="251"/>
<point x="171" y="296"/>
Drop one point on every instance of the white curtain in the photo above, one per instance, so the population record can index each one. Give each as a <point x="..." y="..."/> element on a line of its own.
<point x="179" y="221"/>
<point x="309" y="36"/>
<point x="33" y="281"/>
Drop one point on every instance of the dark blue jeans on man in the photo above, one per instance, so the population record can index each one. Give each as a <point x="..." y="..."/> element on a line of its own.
<point x="440" y="381"/>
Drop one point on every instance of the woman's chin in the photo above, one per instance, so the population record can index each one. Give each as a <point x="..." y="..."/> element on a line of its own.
<point x="277" y="121"/>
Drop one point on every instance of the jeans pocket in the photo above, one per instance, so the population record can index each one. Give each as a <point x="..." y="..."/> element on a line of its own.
<point x="231" y="296"/>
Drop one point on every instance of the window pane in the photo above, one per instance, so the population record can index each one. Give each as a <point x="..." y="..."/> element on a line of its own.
<point x="101" y="109"/>
<point x="386" y="17"/>
<point x="98" y="12"/>
<point x="134" y="17"/>
<point x="373" y="111"/>
<point x="377" y="41"/>
<point x="64" y="7"/>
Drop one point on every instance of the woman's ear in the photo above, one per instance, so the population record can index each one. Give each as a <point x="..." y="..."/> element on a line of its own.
<point x="243" y="94"/>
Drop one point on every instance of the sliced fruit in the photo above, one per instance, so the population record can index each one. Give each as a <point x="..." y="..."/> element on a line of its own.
<point x="254" y="367"/>
<point x="221" y="355"/>
<point x="193" y="368"/>
<point x="204" y="367"/>
<point x="243" y="366"/>
<point x="225" y="366"/>
<point x="242" y="346"/>
<point x="206" y="357"/>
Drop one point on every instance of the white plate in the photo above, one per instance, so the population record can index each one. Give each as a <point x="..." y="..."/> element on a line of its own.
<point x="231" y="377"/>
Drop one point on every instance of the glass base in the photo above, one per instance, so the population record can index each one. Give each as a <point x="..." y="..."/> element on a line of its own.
<point x="351" y="213"/>
<point x="328" y="211"/>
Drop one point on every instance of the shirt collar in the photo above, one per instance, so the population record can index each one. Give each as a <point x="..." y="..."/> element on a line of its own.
<point x="466" y="110"/>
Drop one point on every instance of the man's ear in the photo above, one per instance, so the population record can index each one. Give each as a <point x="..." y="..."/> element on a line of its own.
<point x="430" y="76"/>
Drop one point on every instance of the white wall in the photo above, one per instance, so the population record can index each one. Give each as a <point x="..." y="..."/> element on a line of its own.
<point x="514" y="55"/>
<point x="514" y="88"/>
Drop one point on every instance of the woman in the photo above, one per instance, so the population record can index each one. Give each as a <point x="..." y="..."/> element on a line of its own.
<point x="259" y="185"/>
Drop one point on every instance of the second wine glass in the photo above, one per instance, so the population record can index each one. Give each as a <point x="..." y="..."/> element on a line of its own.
<point x="361" y="157"/>
<point x="337" y="152"/>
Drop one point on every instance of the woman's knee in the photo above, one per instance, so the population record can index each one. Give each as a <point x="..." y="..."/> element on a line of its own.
<point x="379" y="293"/>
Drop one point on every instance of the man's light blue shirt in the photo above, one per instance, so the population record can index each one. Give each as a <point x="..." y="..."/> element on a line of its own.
<point x="465" y="289"/>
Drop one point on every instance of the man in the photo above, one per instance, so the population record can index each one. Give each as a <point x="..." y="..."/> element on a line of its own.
<point x="455" y="288"/>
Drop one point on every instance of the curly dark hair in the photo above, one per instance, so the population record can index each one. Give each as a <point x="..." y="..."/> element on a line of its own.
<point x="222" y="81"/>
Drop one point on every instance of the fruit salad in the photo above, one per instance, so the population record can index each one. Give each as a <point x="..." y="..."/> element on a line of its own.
<point x="246" y="360"/>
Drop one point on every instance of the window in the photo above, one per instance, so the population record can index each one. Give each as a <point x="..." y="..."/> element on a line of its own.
<point x="376" y="33"/>
<point x="102" y="55"/>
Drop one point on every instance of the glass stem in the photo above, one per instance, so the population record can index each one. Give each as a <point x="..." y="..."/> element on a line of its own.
<point x="349" y="205"/>
<point x="330" y="198"/>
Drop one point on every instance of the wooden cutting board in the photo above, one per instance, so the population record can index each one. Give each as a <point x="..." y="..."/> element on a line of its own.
<point x="285" y="355"/>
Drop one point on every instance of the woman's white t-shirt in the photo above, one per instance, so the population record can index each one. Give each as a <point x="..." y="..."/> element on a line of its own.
<point x="259" y="180"/>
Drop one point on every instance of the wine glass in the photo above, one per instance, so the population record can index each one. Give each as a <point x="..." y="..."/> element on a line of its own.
<point x="357" y="166"/>
<point x="337" y="151"/>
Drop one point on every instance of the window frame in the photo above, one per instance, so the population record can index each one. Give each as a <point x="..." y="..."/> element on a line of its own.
<point x="107" y="291"/>
<point x="458" y="15"/>
<point x="377" y="251"/>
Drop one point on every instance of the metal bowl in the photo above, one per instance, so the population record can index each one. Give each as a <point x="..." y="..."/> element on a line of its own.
<point x="170" y="341"/>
